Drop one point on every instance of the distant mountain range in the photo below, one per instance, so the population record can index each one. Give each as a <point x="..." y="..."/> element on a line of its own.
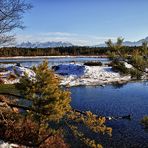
<point x="129" y="43"/>
<point x="68" y="44"/>
<point x="44" y="44"/>
<point x="138" y="43"/>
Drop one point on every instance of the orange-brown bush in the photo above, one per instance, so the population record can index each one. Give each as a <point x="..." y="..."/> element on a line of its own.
<point x="26" y="132"/>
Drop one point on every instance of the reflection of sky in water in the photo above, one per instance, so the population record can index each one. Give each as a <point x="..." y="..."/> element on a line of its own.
<point x="131" y="98"/>
<point x="53" y="61"/>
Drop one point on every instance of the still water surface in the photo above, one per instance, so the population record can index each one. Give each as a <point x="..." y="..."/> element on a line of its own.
<point x="131" y="98"/>
<point x="27" y="62"/>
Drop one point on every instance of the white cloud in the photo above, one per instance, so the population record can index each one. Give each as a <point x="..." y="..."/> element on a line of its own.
<point x="76" y="39"/>
<point x="58" y="34"/>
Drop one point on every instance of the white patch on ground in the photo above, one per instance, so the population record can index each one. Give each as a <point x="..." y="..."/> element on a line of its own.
<point x="7" y="145"/>
<point x="21" y="71"/>
<point x="71" y="74"/>
<point x="128" y="65"/>
<point x="18" y="71"/>
<point x="88" y="75"/>
<point x="146" y="69"/>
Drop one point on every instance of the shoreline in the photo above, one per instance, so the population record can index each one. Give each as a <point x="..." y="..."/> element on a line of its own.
<point x="102" y="84"/>
<point x="42" y="57"/>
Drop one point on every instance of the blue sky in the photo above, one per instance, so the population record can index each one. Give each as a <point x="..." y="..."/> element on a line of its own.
<point x="85" y="22"/>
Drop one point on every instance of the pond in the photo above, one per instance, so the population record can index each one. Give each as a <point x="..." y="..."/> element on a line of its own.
<point x="131" y="98"/>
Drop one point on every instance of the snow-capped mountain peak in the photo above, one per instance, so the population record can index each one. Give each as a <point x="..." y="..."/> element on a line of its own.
<point x="44" y="44"/>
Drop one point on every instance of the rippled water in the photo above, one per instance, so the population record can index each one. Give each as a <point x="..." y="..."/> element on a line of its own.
<point x="131" y="98"/>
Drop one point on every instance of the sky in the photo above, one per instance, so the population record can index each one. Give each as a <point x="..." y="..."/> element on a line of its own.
<point x="84" y="22"/>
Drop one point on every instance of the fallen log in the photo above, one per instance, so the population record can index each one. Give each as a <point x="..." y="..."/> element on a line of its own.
<point x="128" y="117"/>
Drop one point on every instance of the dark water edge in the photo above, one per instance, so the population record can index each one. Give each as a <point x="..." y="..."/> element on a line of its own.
<point x="130" y="98"/>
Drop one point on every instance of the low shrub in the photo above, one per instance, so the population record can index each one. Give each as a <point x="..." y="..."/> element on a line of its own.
<point x="93" y="63"/>
<point x="139" y="62"/>
<point x="119" y="67"/>
<point x="135" y="73"/>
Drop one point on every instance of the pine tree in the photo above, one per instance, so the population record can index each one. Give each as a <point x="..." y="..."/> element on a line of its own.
<point x="48" y="99"/>
<point x="45" y="103"/>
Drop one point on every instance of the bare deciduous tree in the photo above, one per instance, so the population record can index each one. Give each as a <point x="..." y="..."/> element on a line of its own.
<point x="11" y="13"/>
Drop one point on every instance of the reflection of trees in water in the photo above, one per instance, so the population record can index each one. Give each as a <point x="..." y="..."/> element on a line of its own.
<point x="118" y="85"/>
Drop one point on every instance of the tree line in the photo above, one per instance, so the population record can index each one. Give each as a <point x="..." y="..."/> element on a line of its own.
<point x="57" y="51"/>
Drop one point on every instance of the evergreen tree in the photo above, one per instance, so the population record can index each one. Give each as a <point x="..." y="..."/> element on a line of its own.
<point x="45" y="94"/>
<point x="46" y="111"/>
<point x="137" y="58"/>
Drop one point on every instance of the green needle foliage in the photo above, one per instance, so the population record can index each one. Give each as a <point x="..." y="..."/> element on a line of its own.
<point x="45" y="94"/>
<point x="145" y="49"/>
<point x="138" y="58"/>
<point x="115" y="47"/>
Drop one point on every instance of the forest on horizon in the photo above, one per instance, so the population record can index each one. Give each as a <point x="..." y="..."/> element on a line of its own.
<point x="62" y="51"/>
